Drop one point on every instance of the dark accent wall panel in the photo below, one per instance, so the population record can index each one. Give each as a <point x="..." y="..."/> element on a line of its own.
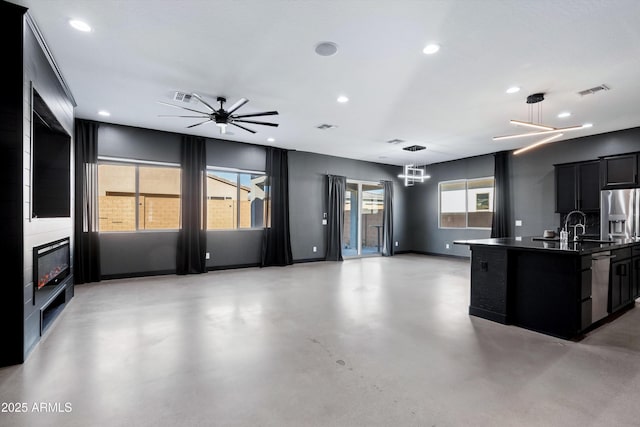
<point x="137" y="143"/>
<point x="11" y="172"/>
<point x="422" y="215"/>
<point x="133" y="254"/>
<point x="235" y="155"/>
<point x="308" y="193"/>
<point x="229" y="248"/>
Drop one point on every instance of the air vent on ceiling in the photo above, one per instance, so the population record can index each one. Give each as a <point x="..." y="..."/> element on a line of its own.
<point x="395" y="141"/>
<point x="326" y="126"/>
<point x="414" y="148"/>
<point x="182" y="97"/>
<point x="593" y="90"/>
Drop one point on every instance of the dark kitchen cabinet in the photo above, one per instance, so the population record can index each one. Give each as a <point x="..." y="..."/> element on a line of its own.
<point x="619" y="171"/>
<point x="620" y="291"/>
<point x="578" y="186"/>
<point x="635" y="273"/>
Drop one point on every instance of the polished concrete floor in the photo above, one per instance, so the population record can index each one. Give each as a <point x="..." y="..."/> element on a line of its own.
<point x="366" y="342"/>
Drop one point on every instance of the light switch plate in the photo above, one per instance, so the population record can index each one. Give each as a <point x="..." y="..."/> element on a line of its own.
<point x="324" y="222"/>
<point x="518" y="223"/>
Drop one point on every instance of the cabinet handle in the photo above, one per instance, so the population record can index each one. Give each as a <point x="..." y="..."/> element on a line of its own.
<point x="484" y="266"/>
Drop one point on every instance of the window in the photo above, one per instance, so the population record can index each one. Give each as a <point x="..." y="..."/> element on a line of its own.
<point x="136" y="197"/>
<point x="466" y="203"/>
<point x="235" y="199"/>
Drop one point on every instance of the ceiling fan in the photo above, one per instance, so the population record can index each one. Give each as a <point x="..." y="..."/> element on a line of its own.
<point x="552" y="132"/>
<point x="221" y="117"/>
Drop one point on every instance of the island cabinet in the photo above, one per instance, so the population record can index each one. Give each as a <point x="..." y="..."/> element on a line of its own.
<point x="578" y="186"/>
<point x="635" y="273"/>
<point x="551" y="292"/>
<point x="562" y="290"/>
<point x="621" y="291"/>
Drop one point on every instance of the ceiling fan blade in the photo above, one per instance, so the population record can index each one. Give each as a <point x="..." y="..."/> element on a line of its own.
<point x="242" y="127"/>
<point x="237" y="105"/>
<point x="183" y="108"/>
<point x="266" y="113"/>
<point x="198" y="124"/>
<point x="203" y="101"/>
<point x="194" y="117"/>
<point x="257" y="123"/>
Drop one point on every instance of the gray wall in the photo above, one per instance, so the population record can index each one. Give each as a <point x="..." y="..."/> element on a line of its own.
<point x="308" y="194"/>
<point x="532" y="188"/>
<point x="423" y="212"/>
<point x="125" y="254"/>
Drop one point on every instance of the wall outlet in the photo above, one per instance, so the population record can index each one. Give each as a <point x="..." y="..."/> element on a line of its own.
<point x="324" y="222"/>
<point x="315" y="249"/>
<point x="396" y="244"/>
<point x="518" y="223"/>
<point x="207" y="255"/>
<point x="446" y="245"/>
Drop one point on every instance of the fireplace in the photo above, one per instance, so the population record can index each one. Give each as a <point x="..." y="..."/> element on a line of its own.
<point x="51" y="263"/>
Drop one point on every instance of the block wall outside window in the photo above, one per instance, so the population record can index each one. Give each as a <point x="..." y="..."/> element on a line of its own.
<point x="155" y="189"/>
<point x="235" y="200"/>
<point x="466" y="203"/>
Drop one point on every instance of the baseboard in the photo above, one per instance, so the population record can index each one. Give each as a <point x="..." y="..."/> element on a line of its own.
<point x="233" y="267"/>
<point x="304" y="260"/>
<point x="440" y="255"/>
<point x="137" y="274"/>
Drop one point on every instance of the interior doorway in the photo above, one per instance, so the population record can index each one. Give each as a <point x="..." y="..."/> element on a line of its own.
<point x="363" y="219"/>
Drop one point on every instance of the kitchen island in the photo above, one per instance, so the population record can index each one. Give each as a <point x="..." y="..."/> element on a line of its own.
<point x="563" y="290"/>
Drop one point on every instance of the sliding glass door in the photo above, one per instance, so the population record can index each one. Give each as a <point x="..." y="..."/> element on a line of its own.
<point x="363" y="213"/>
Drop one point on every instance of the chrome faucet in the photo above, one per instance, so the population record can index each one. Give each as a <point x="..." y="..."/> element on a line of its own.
<point x="575" y="231"/>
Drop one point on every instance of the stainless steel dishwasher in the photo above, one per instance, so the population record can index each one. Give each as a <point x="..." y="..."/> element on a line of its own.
<point x="600" y="265"/>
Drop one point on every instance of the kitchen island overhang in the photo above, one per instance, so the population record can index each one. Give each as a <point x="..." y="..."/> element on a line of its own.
<point x="553" y="288"/>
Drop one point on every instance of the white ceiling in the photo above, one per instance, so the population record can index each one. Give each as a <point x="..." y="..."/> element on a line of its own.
<point x="142" y="51"/>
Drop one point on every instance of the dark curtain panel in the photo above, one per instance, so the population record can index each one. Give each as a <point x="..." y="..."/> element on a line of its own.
<point x="387" y="219"/>
<point x="335" y="216"/>
<point x="500" y="223"/>
<point x="192" y="238"/>
<point x="276" y="242"/>
<point x="86" y="248"/>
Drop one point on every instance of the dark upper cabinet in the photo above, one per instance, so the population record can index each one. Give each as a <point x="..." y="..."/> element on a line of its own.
<point x="619" y="171"/>
<point x="578" y="186"/>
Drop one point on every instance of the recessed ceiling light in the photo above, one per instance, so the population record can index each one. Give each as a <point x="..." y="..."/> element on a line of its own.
<point x="342" y="99"/>
<point x="564" y="114"/>
<point x="104" y="113"/>
<point x="587" y="125"/>
<point x="326" y="48"/>
<point x="271" y="140"/>
<point x="513" y="89"/>
<point x="80" y="25"/>
<point x="431" y="49"/>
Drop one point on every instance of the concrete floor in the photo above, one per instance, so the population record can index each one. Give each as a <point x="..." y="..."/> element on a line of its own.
<point x="366" y="342"/>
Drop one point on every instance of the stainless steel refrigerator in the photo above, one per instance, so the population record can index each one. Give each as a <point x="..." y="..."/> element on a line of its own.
<point x="619" y="214"/>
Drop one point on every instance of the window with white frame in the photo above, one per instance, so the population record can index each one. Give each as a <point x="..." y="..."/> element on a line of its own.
<point x="138" y="196"/>
<point x="235" y="199"/>
<point x="466" y="203"/>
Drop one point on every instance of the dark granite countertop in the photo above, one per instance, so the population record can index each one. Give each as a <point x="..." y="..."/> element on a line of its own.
<point x="551" y="245"/>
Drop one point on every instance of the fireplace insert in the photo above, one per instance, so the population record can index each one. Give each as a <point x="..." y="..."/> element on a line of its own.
<point x="51" y="263"/>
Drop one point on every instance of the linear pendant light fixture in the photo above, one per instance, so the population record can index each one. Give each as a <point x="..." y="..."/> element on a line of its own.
<point x="541" y="129"/>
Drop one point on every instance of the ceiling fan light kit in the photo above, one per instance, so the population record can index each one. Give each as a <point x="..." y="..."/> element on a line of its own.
<point x="221" y="117"/>
<point x="541" y="129"/>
